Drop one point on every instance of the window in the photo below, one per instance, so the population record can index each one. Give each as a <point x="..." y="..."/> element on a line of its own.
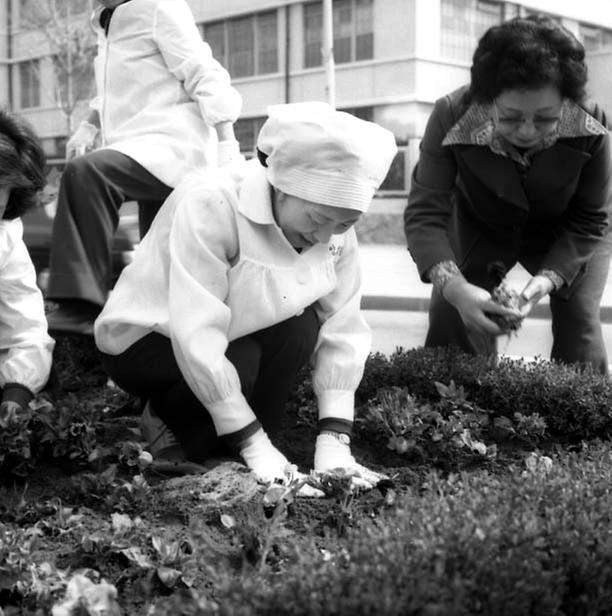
<point x="594" y="38"/>
<point x="363" y="113"/>
<point x="246" y="131"/>
<point x="29" y="78"/>
<point x="241" y="46"/>
<point x="463" y="22"/>
<point x="245" y="45"/>
<point x="396" y="177"/>
<point x="353" y="31"/>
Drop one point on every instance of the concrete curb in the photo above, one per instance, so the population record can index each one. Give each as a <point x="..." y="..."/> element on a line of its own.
<point x="419" y="304"/>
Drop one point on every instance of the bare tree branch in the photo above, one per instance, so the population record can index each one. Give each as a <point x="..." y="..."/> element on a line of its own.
<point x="64" y="24"/>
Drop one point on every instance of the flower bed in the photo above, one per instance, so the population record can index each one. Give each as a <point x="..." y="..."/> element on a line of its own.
<point x="499" y="502"/>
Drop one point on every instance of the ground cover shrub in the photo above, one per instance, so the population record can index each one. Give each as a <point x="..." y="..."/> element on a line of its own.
<point x="448" y="427"/>
<point x="575" y="403"/>
<point x="534" y="541"/>
<point x="514" y="533"/>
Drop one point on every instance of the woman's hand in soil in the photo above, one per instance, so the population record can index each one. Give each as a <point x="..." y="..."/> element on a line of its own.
<point x="473" y="303"/>
<point x="267" y="462"/>
<point x="331" y="455"/>
<point x="8" y="413"/>
<point x="537" y="288"/>
<point x="270" y="466"/>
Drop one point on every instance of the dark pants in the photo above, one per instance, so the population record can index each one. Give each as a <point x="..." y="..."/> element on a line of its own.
<point x="576" y="326"/>
<point x="92" y="189"/>
<point x="267" y="363"/>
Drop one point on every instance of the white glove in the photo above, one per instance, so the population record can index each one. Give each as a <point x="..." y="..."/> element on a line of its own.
<point x="267" y="462"/>
<point x="228" y="152"/>
<point x="82" y="141"/>
<point x="331" y="454"/>
<point x="9" y="410"/>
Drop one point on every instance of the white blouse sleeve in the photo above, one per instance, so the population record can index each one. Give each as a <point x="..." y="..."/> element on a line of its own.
<point x="203" y="241"/>
<point x="25" y="346"/>
<point x="344" y="339"/>
<point x="191" y="61"/>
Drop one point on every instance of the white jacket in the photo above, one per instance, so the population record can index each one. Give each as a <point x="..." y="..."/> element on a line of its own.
<point x="25" y="345"/>
<point x="159" y="89"/>
<point x="215" y="267"/>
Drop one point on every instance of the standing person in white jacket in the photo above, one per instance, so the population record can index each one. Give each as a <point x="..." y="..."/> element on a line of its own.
<point x="241" y="281"/>
<point x="25" y="346"/>
<point x="164" y="107"/>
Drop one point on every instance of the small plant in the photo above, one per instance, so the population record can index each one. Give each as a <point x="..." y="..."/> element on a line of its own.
<point x="175" y="561"/>
<point x="68" y="431"/>
<point x="338" y="484"/>
<point x="504" y="295"/>
<point x="15" y="449"/>
<point x="411" y="426"/>
<point x="116" y="493"/>
<point x="86" y="597"/>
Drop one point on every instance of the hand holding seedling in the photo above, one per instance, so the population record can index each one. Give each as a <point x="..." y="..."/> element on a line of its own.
<point x="476" y="306"/>
<point x="536" y="289"/>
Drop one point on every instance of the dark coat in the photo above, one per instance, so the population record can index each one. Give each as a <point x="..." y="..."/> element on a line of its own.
<point x="553" y="215"/>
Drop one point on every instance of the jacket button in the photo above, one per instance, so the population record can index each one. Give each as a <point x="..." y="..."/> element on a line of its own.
<point x="302" y="277"/>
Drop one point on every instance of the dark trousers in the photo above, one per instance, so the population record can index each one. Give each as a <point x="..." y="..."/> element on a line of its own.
<point x="576" y="325"/>
<point x="92" y="189"/>
<point x="267" y="363"/>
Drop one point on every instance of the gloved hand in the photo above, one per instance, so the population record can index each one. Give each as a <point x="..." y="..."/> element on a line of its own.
<point x="332" y="454"/>
<point x="8" y="412"/>
<point x="82" y="141"/>
<point x="267" y="462"/>
<point x="228" y="152"/>
<point x="270" y="465"/>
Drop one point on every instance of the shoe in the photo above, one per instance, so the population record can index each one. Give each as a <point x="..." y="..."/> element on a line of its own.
<point x="168" y="455"/>
<point x="71" y="317"/>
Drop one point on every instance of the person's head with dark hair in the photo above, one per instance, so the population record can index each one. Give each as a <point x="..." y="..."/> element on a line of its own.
<point x="525" y="68"/>
<point x="22" y="162"/>
<point x="527" y="54"/>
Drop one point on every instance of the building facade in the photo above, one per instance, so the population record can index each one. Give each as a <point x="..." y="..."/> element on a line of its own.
<point x="393" y="58"/>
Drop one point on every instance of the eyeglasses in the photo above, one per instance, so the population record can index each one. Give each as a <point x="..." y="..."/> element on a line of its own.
<point x="540" y="123"/>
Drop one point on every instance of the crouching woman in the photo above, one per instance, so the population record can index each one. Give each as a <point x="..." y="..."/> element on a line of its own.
<point x="240" y="282"/>
<point x="25" y="346"/>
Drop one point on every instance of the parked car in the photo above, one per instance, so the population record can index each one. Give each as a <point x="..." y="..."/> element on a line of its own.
<point x="37" y="231"/>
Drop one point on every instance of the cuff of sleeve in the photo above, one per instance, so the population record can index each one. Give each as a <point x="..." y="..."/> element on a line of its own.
<point x="235" y="439"/>
<point x="442" y="272"/>
<point x="15" y="392"/>
<point x="337" y="404"/>
<point x="344" y="426"/>
<point x="230" y="415"/>
<point x="556" y="278"/>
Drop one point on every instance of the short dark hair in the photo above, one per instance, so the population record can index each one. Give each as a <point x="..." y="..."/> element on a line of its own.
<point x="528" y="53"/>
<point x="22" y="164"/>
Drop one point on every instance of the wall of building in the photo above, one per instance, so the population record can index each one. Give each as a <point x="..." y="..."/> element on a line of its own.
<point x="400" y="84"/>
<point x="600" y="82"/>
<point x="5" y="53"/>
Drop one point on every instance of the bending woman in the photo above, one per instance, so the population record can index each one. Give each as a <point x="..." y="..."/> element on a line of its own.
<point x="25" y="346"/>
<point x="242" y="280"/>
<point x="515" y="167"/>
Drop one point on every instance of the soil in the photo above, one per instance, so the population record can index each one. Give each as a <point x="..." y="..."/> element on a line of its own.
<point x="221" y="509"/>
